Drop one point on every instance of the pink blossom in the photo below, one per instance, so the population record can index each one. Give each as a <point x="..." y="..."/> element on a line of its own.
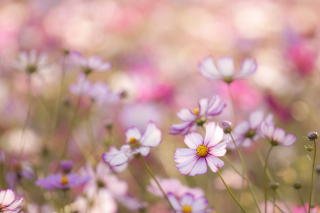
<point x="302" y="209"/>
<point x="8" y="203"/>
<point x="194" y="160"/>
<point x="276" y="135"/>
<point x="30" y="63"/>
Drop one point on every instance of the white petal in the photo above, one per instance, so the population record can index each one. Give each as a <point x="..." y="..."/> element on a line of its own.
<point x="289" y="139"/>
<point x="203" y="106"/>
<point x="241" y="128"/>
<point x="214" y="134"/>
<point x="193" y="139"/>
<point x="200" y="204"/>
<point x="255" y="119"/>
<point x="208" y="69"/>
<point x="199" y="168"/>
<point x="278" y="134"/>
<point x="152" y="136"/>
<point x="187" y="199"/>
<point x="144" y="151"/>
<point x="174" y="202"/>
<point x="119" y="159"/>
<point x="186" y="167"/>
<point x="186" y="115"/>
<point x="214" y="161"/>
<point x="226" y="66"/>
<point x="133" y="132"/>
<point x="248" y="67"/>
<point x="184" y="154"/>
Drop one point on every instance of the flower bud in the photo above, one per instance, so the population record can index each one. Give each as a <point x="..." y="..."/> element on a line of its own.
<point x="312" y="136"/>
<point x="309" y="148"/>
<point x="318" y="169"/>
<point x="226" y="126"/>
<point x="66" y="166"/>
<point x="274" y="185"/>
<point x="297" y="185"/>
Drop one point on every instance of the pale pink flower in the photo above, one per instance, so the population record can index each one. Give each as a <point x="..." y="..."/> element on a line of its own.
<point x="247" y="132"/>
<point x="30" y="63"/>
<point x="201" y="152"/>
<point x="93" y="63"/>
<point x="174" y="186"/>
<point x="198" y="116"/>
<point x="188" y="203"/>
<point x="225" y="69"/>
<point x="136" y="144"/>
<point x="8" y="203"/>
<point x="276" y="135"/>
<point x="302" y="209"/>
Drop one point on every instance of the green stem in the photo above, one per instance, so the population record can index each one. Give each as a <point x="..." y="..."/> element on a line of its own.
<point x="274" y="200"/>
<point x="314" y="160"/>
<point x="155" y="179"/>
<point x="225" y="158"/>
<point x="232" y="103"/>
<point x="245" y="172"/>
<point x="235" y="199"/>
<point x="302" y="202"/>
<point x="265" y="179"/>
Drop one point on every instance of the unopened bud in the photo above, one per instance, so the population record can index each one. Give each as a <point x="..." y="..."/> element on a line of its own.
<point x="66" y="166"/>
<point x="309" y="148"/>
<point x="318" y="169"/>
<point x="312" y="136"/>
<point x="226" y="126"/>
<point x="274" y="185"/>
<point x="297" y="185"/>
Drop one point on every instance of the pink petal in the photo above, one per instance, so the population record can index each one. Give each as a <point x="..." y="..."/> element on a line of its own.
<point x="255" y="119"/>
<point x="184" y="154"/>
<point x="186" y="115"/>
<point x="186" y="167"/>
<point x="248" y="67"/>
<point x="187" y="199"/>
<point x="219" y="150"/>
<point x="174" y="202"/>
<point x="241" y="128"/>
<point x="214" y="163"/>
<point x="278" y="134"/>
<point x="214" y="134"/>
<point x="199" y="168"/>
<point x="289" y="139"/>
<point x="200" y="204"/>
<point x="208" y="69"/>
<point x="193" y="139"/>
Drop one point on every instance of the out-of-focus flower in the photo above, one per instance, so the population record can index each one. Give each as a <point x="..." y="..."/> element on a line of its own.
<point x="197" y="117"/>
<point x="302" y="209"/>
<point x="34" y="208"/>
<point x="96" y="202"/>
<point x="113" y="151"/>
<point x="232" y="179"/>
<point x="174" y="186"/>
<point x="312" y="135"/>
<point x="133" y="204"/>
<point x="20" y="171"/>
<point x="98" y="92"/>
<point x="226" y="126"/>
<point x="137" y="144"/>
<point x="194" y="160"/>
<point x="247" y="132"/>
<point x="225" y="69"/>
<point x="62" y="181"/>
<point x="93" y="63"/>
<point x="8" y="203"/>
<point x="188" y="203"/>
<point x="276" y="135"/>
<point x="30" y="63"/>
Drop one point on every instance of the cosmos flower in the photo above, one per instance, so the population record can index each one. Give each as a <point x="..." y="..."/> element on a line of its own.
<point x="194" y="160"/>
<point x="225" y="69"/>
<point x="93" y="63"/>
<point x="108" y="157"/>
<point x="8" y="202"/>
<point x="136" y="144"/>
<point x="19" y="172"/>
<point x="188" y="203"/>
<point x="30" y="63"/>
<point x="247" y="132"/>
<point x="302" y="209"/>
<point x="174" y="186"/>
<point x="276" y="135"/>
<point x="198" y="116"/>
<point x="62" y="181"/>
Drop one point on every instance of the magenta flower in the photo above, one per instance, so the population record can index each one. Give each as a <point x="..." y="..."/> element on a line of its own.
<point x="136" y="144"/>
<point x="276" y="135"/>
<point x="8" y="202"/>
<point x="62" y="181"/>
<point x="93" y="63"/>
<point x="194" y="160"/>
<point x="188" y="203"/>
<point x="197" y="117"/>
<point x="225" y="69"/>
<point x="247" y="132"/>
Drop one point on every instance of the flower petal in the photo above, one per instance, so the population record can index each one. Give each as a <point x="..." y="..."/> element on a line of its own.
<point x="214" y="134"/>
<point x="248" y="67"/>
<point x="208" y="69"/>
<point x="214" y="163"/>
<point x="186" y="167"/>
<point x="184" y="154"/>
<point x="133" y="132"/>
<point x="193" y="139"/>
<point x="199" y="168"/>
<point x="203" y="106"/>
<point x="226" y="66"/>
<point x="152" y="136"/>
<point x="200" y="204"/>
<point x="186" y="115"/>
<point x="255" y="119"/>
<point x="187" y="199"/>
<point x="289" y="139"/>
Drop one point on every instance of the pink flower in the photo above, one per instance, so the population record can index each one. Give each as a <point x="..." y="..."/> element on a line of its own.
<point x="197" y="117"/>
<point x="173" y="186"/>
<point x="188" y="203"/>
<point x="225" y="70"/>
<point x="8" y="202"/>
<point x="194" y="160"/>
<point x="136" y="144"/>
<point x="302" y="209"/>
<point x="30" y="63"/>
<point x="277" y="136"/>
<point x="93" y="63"/>
<point x="247" y="132"/>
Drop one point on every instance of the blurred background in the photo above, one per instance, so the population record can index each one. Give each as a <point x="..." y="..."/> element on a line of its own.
<point x="155" y="47"/>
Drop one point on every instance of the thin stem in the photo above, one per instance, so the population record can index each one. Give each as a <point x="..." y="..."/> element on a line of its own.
<point x="314" y="160"/>
<point x="302" y="202"/>
<point x="232" y="103"/>
<point x="155" y="179"/>
<point x="265" y="180"/>
<point x="274" y="200"/>
<point x="225" y="158"/>
<point x="231" y="192"/>
<point x="315" y="189"/>
<point x="245" y="172"/>
<point x="241" y="189"/>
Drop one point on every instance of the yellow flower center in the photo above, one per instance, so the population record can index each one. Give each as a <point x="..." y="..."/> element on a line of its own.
<point x="64" y="180"/>
<point x="196" y="111"/>
<point x="134" y="143"/>
<point x="132" y="140"/>
<point x="202" y="150"/>
<point x="186" y="209"/>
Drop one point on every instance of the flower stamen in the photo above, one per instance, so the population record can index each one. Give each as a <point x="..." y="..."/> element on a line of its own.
<point x="202" y="150"/>
<point x="196" y="111"/>
<point x="64" y="180"/>
<point x="186" y="209"/>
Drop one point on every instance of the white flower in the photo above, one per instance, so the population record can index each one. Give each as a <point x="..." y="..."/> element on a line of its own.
<point x="8" y="202"/>
<point x="30" y="63"/>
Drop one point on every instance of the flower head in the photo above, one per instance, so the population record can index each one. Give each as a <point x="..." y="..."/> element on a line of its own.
<point x="276" y="135"/>
<point x="93" y="63"/>
<point x="136" y="144"/>
<point x="30" y="63"/>
<point x="225" y="69"/>
<point x="62" y="181"/>
<point x="201" y="152"/>
<point x="19" y="172"/>
<point x="198" y="116"/>
<point x="8" y="202"/>
<point x="189" y="204"/>
<point x="66" y="166"/>
<point x="247" y="132"/>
